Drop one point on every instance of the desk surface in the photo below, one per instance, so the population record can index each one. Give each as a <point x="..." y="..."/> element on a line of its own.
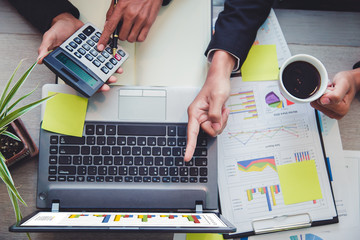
<point x="321" y="34"/>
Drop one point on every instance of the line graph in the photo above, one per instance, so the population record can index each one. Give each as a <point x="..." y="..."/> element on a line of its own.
<point x="245" y="137"/>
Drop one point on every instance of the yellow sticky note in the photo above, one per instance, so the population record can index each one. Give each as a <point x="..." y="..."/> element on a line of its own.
<point x="204" y="236"/>
<point x="261" y="64"/>
<point x="65" y="114"/>
<point x="299" y="182"/>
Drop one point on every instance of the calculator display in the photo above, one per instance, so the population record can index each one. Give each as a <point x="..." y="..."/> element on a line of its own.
<point x="76" y="69"/>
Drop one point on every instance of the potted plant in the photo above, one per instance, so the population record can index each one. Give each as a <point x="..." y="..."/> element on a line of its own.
<point x="9" y="112"/>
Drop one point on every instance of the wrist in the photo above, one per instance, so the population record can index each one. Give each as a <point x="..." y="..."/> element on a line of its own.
<point x="67" y="17"/>
<point x="356" y="76"/>
<point x="222" y="64"/>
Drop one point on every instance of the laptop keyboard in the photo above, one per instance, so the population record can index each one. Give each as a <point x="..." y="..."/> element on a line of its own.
<point x="127" y="152"/>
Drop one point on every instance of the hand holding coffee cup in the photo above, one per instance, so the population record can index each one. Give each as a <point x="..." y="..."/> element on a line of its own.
<point x="303" y="78"/>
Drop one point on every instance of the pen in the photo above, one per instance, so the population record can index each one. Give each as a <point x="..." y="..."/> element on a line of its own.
<point x="115" y="34"/>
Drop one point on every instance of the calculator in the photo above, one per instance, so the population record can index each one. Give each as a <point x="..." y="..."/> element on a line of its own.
<point x="78" y="62"/>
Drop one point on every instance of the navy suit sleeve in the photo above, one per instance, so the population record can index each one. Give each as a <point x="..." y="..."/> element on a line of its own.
<point x="40" y="13"/>
<point x="237" y="25"/>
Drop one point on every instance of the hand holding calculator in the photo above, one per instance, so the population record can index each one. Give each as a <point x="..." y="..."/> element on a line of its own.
<point x="78" y="62"/>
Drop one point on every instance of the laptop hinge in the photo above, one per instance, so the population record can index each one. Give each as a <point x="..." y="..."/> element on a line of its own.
<point x="55" y="206"/>
<point x="199" y="208"/>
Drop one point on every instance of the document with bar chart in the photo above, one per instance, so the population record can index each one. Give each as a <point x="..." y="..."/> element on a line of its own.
<point x="125" y="219"/>
<point x="271" y="162"/>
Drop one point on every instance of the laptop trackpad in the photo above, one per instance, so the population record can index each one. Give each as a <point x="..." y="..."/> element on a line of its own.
<point x="142" y="105"/>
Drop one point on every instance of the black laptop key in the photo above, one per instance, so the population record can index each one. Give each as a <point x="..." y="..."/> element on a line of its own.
<point x="155" y="179"/>
<point x="201" y="162"/>
<point x="110" y="130"/>
<point x="67" y="170"/>
<point x="137" y="179"/>
<point x="65" y="160"/>
<point x="89" y="129"/>
<point x="123" y="170"/>
<point x="52" y="170"/>
<point x="87" y="160"/>
<point x="129" y="179"/>
<point x="53" y="159"/>
<point x="53" y="150"/>
<point x="147" y="179"/>
<point x="172" y="130"/>
<point x="203" y="171"/>
<point x="193" y="179"/>
<point x="80" y="178"/>
<point x="85" y="150"/>
<point x="54" y="139"/>
<point x="92" y="170"/>
<point x="70" y="178"/>
<point x="81" y="170"/>
<point x="164" y="171"/>
<point x="166" y="179"/>
<point x="141" y="130"/>
<point x="72" y="150"/>
<point x="143" y="171"/>
<point x="194" y="171"/>
<point x="174" y="171"/>
<point x="90" y="179"/>
<point x="100" y="179"/>
<point x="109" y="179"/>
<point x="118" y="179"/>
<point x="100" y="130"/>
<point x="102" y="170"/>
<point x="200" y="152"/>
<point x="95" y="150"/>
<point x="203" y="180"/>
<point x="112" y="170"/>
<point x="175" y="179"/>
<point x="72" y="140"/>
<point x="181" y="131"/>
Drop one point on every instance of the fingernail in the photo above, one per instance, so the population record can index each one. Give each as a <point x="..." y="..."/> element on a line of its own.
<point x="100" y="47"/>
<point x="216" y="126"/>
<point x="325" y="101"/>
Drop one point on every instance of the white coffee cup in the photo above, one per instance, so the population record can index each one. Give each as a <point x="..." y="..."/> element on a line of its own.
<point x="301" y="83"/>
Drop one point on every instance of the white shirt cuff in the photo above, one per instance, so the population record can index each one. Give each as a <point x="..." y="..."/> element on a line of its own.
<point x="237" y="60"/>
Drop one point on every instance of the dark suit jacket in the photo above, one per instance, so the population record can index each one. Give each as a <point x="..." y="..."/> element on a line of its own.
<point x="237" y="25"/>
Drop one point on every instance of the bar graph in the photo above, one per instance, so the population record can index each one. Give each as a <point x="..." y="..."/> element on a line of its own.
<point x="243" y="104"/>
<point x="268" y="191"/>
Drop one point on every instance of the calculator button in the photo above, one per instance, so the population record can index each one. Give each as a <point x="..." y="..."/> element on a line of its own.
<point x="113" y="61"/>
<point x="77" y="40"/>
<point x="98" y="34"/>
<point x="104" y="69"/>
<point x="109" y="65"/>
<point x="96" y="63"/>
<point x="89" y="30"/>
<point x="108" y="49"/>
<point x="101" y="58"/>
<point x="94" y="52"/>
<point x="69" y="48"/>
<point x="77" y="54"/>
<point x="82" y="36"/>
<point x="118" y="57"/>
<point x="74" y="45"/>
<point x="121" y="52"/>
<point x="89" y="57"/>
<point x="86" y="47"/>
<point x="91" y="43"/>
<point x="105" y="54"/>
<point x="95" y="38"/>
<point x="81" y="51"/>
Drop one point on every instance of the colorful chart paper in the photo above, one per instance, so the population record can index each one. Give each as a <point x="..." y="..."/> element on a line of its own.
<point x="261" y="64"/>
<point x="65" y="114"/>
<point x="299" y="182"/>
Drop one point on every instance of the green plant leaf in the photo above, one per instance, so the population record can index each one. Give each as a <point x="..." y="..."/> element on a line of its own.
<point x="15" y="88"/>
<point x="6" y="177"/>
<point x="20" y="99"/>
<point x="8" y="84"/>
<point x="21" y="111"/>
<point x="10" y="134"/>
<point x="16" y="206"/>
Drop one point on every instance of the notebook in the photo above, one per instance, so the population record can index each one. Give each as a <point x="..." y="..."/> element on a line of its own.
<point x="174" y="48"/>
<point x="136" y="182"/>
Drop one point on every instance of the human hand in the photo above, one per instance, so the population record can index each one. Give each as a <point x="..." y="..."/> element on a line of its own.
<point x="336" y="101"/>
<point x="63" y="26"/>
<point x="137" y="17"/>
<point x="208" y="109"/>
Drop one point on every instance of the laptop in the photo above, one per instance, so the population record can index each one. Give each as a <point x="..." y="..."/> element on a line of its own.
<point x="127" y="171"/>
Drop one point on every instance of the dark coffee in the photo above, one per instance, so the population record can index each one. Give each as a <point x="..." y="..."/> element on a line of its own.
<point x="301" y="79"/>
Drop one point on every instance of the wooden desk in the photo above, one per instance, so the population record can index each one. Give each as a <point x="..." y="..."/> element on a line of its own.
<point x="335" y="42"/>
